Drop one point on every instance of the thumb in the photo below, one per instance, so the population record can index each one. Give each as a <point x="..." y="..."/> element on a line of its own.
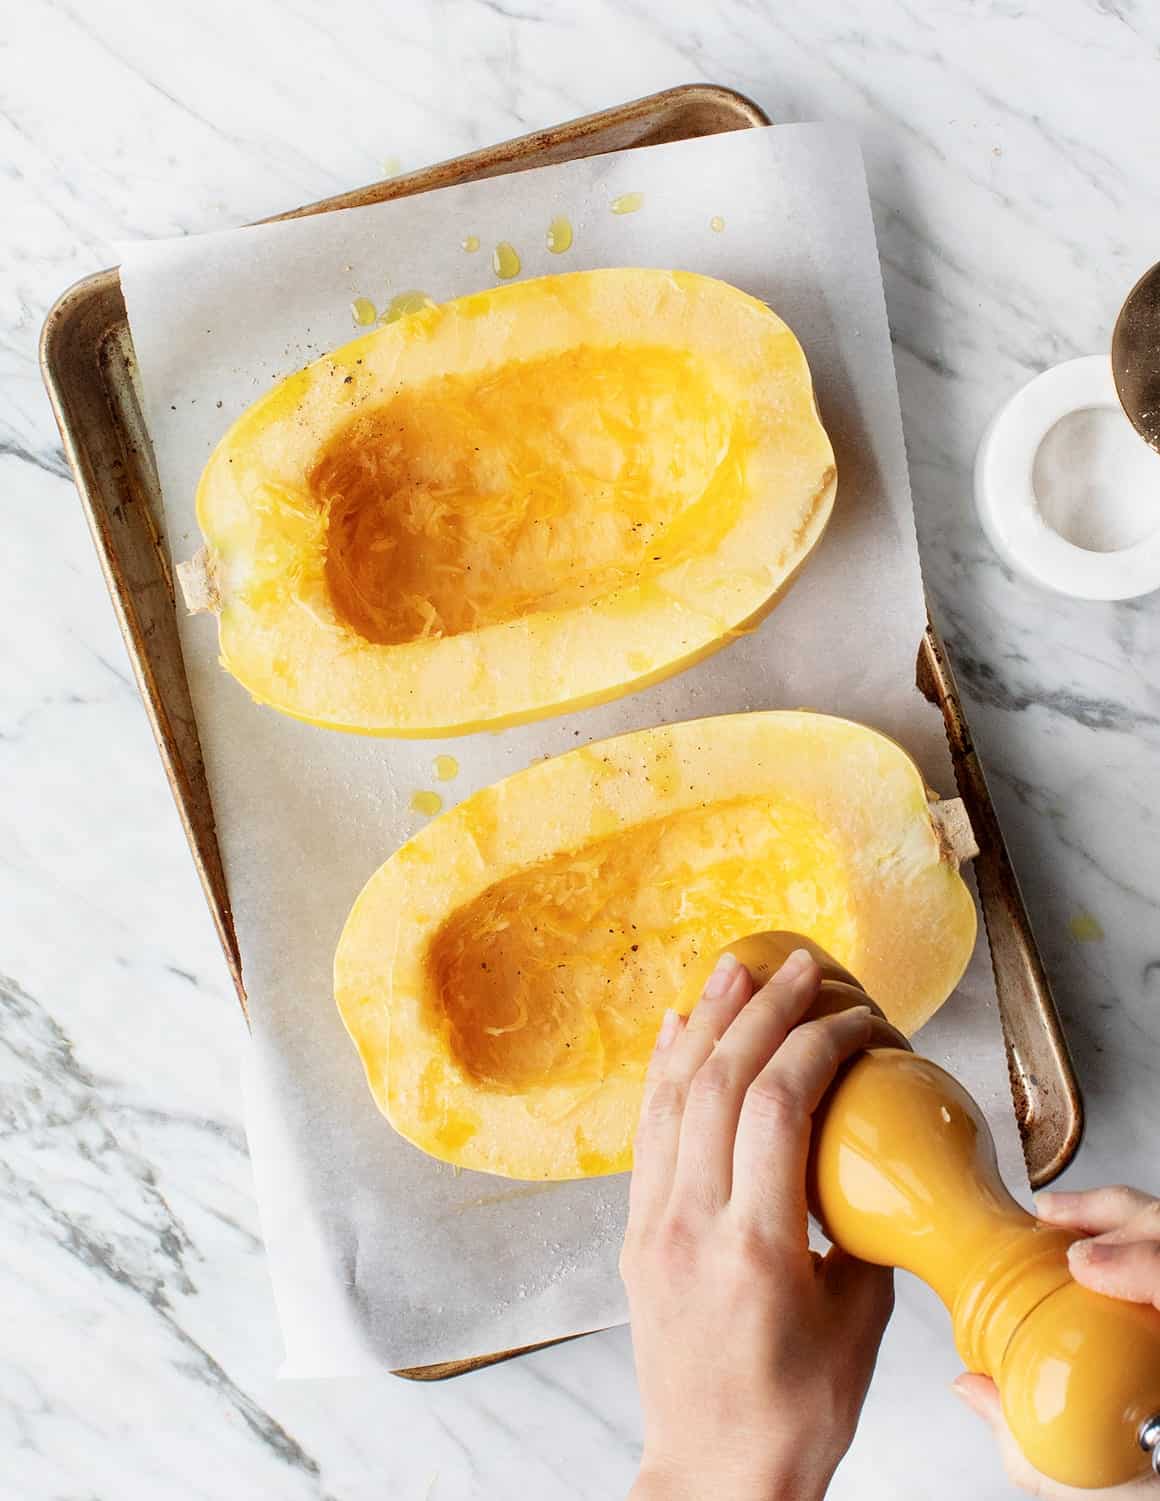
<point x="1119" y="1269"/>
<point x="981" y="1395"/>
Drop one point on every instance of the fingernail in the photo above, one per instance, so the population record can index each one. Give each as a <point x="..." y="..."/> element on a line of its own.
<point x="966" y="1397"/>
<point x="721" y="978"/>
<point x="1090" y="1252"/>
<point x="670" y="1026"/>
<point x="1052" y="1202"/>
<point x="797" y="964"/>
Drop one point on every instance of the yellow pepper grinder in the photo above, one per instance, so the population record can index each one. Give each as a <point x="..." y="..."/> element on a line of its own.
<point x="903" y="1173"/>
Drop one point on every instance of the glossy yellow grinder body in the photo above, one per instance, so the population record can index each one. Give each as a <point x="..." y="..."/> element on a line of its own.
<point x="903" y="1173"/>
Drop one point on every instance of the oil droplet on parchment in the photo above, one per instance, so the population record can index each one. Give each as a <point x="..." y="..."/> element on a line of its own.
<point x="560" y="235"/>
<point x="1085" y="928"/>
<point x="627" y="203"/>
<point x="446" y="767"/>
<point x="505" y="261"/>
<point x="362" y="310"/>
<point x="470" y="243"/>
<point x="716" y="224"/>
<point x="427" y="803"/>
<point x="406" y="302"/>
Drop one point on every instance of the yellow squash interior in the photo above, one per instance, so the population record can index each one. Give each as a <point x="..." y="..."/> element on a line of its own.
<point x="528" y="499"/>
<point x="504" y="973"/>
<point x="561" y="972"/>
<point x="557" y="481"/>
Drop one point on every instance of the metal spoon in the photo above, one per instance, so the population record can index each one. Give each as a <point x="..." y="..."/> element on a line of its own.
<point x="1136" y="356"/>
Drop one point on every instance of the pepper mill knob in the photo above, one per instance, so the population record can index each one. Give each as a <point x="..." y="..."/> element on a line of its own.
<point x="903" y="1173"/>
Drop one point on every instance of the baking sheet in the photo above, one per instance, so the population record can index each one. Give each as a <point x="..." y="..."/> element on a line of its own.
<point x="377" y="1252"/>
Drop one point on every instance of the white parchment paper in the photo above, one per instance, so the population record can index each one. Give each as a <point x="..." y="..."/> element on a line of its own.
<point x="379" y="1253"/>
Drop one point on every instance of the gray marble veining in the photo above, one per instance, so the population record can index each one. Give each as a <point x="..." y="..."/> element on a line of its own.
<point x="1010" y="149"/>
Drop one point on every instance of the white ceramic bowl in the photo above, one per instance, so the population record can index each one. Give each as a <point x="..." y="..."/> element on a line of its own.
<point x="1008" y="506"/>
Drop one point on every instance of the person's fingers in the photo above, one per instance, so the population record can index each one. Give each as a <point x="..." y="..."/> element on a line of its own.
<point x="676" y="1058"/>
<point x="1143" y="1225"/>
<point x="773" y="1134"/>
<point x="1092" y="1210"/>
<point x="709" y="1127"/>
<point x="726" y="990"/>
<point x="981" y="1395"/>
<point x="658" y="1129"/>
<point x="1119" y="1269"/>
<point x="863" y="1294"/>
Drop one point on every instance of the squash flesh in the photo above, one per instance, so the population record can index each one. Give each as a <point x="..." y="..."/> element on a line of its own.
<point x="504" y="973"/>
<point x="555" y="482"/>
<point x="531" y="499"/>
<point x="561" y="973"/>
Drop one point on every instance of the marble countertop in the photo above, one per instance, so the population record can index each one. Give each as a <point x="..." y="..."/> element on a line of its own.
<point x="1010" y="149"/>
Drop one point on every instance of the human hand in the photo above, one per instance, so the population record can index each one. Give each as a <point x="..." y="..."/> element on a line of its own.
<point x="753" y="1354"/>
<point x="1121" y="1258"/>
